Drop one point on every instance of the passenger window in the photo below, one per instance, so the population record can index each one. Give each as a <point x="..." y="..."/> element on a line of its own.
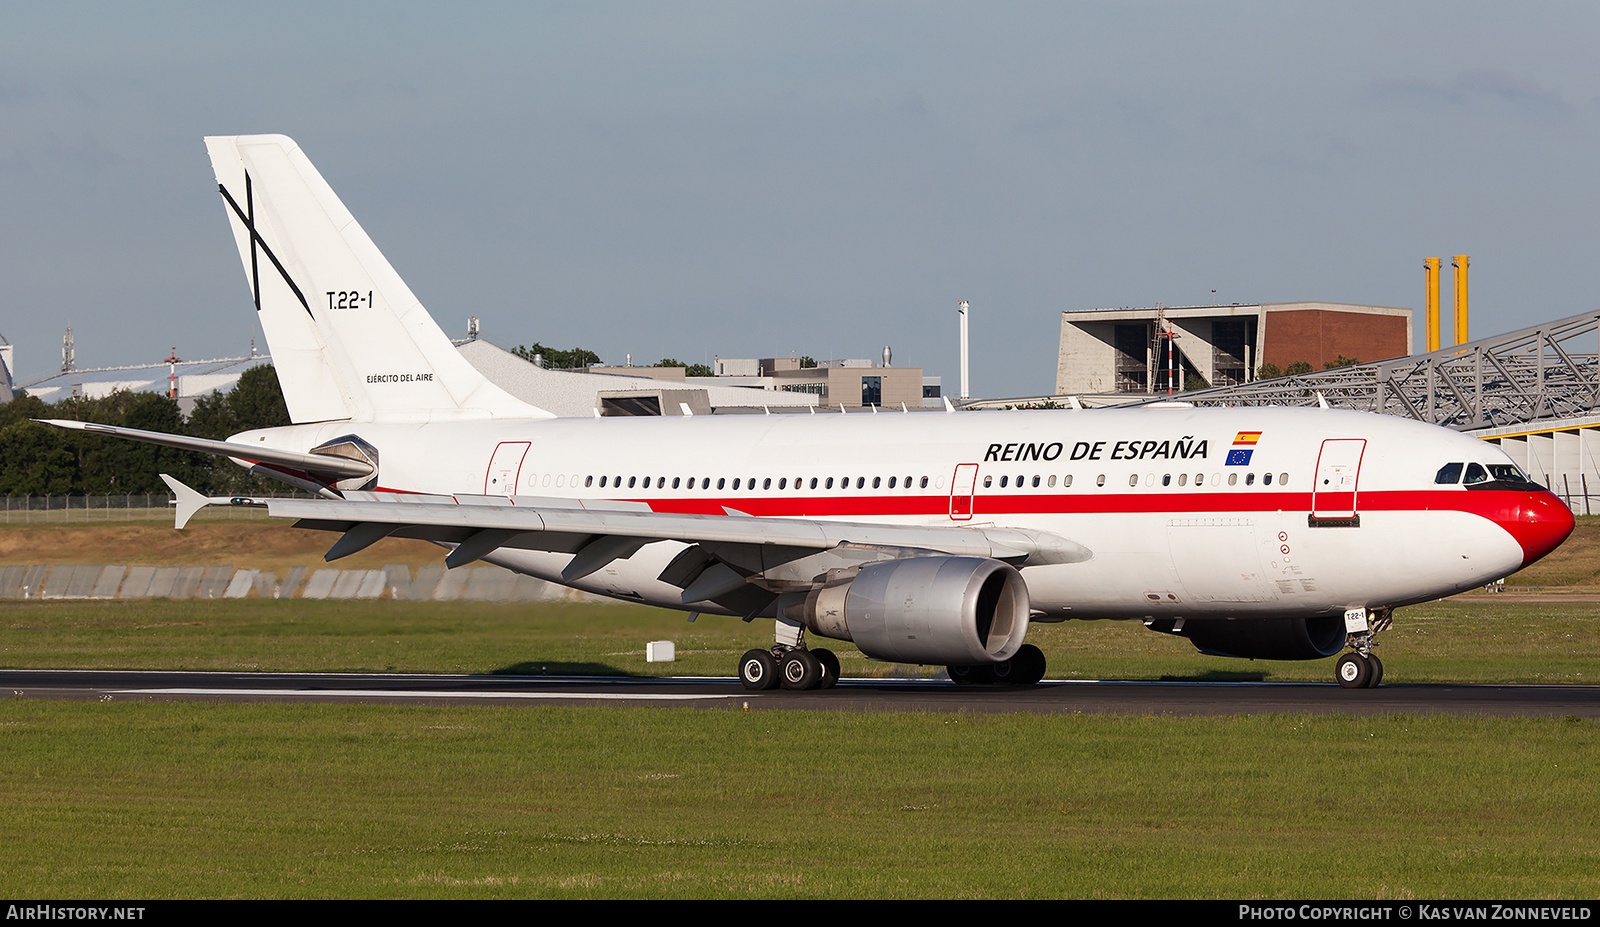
<point x="1183" y="479"/>
<point x="1052" y="481"/>
<point x="876" y="481"/>
<point x="632" y="480"/>
<point x="829" y="484"/>
<point x="1249" y="479"/>
<point x="1283" y="478"/>
<point x="736" y="482"/>
<point x="1101" y="481"/>
<point x="1166" y="479"/>
<point x="891" y="482"/>
<point x="1266" y="479"/>
<point x="1233" y="479"/>
<point x="767" y="483"/>
<point x="721" y="482"/>
<point x="1133" y="480"/>
<point x="861" y="482"/>
<point x="602" y="482"/>
<point x="783" y="482"/>
<point x="675" y="482"/>
<point x="1066" y="481"/>
<point x="1003" y="482"/>
<point x="988" y="481"/>
<point x="1449" y="474"/>
<point x="1036" y="481"/>
<point x="813" y="482"/>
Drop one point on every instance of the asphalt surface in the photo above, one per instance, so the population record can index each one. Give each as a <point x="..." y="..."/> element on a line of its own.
<point x="1050" y="697"/>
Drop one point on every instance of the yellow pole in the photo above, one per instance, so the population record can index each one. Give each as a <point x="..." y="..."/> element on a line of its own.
<point x="1431" y="267"/>
<point x="1460" y="264"/>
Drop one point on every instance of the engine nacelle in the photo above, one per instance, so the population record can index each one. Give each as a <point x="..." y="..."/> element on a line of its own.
<point x="938" y="610"/>
<point x="1261" y="638"/>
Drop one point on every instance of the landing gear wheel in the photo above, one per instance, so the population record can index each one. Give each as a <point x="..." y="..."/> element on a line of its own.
<point x="800" y="670"/>
<point x="1377" y="671"/>
<point x="830" y="667"/>
<point x="1025" y="668"/>
<point x="1352" y="671"/>
<point x="970" y="675"/>
<point x="758" y="670"/>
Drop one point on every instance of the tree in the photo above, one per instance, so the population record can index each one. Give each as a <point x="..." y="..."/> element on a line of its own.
<point x="1340" y="361"/>
<point x="554" y="357"/>
<point x="807" y="361"/>
<point x="1269" y="372"/>
<point x="256" y="401"/>
<point x="689" y="370"/>
<point x="1297" y="368"/>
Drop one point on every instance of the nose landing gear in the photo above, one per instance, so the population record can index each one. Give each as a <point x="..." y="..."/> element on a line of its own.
<point x="1361" y="668"/>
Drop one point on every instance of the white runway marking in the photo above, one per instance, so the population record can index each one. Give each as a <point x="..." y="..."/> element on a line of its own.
<point x="386" y="693"/>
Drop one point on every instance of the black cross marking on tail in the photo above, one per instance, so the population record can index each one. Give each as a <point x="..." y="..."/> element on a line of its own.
<point x="248" y="217"/>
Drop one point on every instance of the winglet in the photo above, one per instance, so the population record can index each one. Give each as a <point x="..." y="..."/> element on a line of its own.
<point x="189" y="501"/>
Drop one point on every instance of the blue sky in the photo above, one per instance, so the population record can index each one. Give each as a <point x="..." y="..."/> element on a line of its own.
<point x="750" y="179"/>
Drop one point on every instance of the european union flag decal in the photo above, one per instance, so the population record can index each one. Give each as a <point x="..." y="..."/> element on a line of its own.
<point x="1239" y="457"/>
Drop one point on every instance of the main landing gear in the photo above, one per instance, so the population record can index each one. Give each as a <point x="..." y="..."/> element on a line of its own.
<point x="1026" y="668"/>
<point x="1361" y="668"/>
<point x="795" y="668"/>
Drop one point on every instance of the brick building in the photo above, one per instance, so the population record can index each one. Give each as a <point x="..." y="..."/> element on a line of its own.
<point x="1126" y="350"/>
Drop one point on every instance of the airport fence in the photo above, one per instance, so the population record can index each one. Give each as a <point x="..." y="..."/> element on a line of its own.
<point x="120" y="507"/>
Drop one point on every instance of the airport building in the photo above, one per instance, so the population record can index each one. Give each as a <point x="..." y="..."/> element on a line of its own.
<point x="1106" y="351"/>
<point x="768" y="384"/>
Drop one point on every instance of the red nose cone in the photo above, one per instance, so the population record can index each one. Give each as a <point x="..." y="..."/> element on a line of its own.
<point x="1539" y="522"/>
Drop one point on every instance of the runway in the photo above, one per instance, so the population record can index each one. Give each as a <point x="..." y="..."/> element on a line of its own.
<point x="1050" y="697"/>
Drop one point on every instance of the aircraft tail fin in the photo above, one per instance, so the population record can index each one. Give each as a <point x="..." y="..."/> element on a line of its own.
<point x="348" y="337"/>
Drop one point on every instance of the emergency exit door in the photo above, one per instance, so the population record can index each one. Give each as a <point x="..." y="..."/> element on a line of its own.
<point x="1338" y="476"/>
<point x="961" y="489"/>
<point x="504" y="468"/>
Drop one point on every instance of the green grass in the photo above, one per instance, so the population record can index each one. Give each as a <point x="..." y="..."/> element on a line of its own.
<point x="124" y="799"/>
<point x="1492" y="639"/>
<point x="158" y="800"/>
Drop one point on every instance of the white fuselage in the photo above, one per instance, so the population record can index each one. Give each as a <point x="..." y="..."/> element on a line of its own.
<point x="1187" y="512"/>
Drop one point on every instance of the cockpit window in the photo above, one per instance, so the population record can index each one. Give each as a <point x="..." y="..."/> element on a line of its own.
<point x="1476" y="474"/>
<point x="1449" y="474"/>
<point x="1508" y="472"/>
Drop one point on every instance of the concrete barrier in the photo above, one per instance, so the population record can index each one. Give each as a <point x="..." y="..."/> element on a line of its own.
<point x="477" y="583"/>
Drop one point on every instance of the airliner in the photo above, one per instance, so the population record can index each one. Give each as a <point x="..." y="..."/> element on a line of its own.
<point x="932" y="538"/>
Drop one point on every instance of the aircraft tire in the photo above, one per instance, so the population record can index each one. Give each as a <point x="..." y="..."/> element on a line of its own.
<point x="800" y="670"/>
<point x="830" y="667"/>
<point x="758" y="671"/>
<point x="1352" y="671"/>
<point x="1026" y="668"/>
<point x="970" y="674"/>
<point x="1377" y="671"/>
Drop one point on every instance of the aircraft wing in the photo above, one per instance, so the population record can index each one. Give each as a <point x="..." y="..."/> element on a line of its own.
<point x="726" y="553"/>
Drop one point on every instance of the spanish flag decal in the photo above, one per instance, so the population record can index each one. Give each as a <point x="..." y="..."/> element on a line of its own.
<point x="1246" y="438"/>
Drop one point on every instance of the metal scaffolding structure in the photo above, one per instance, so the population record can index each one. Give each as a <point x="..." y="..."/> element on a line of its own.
<point x="1537" y="373"/>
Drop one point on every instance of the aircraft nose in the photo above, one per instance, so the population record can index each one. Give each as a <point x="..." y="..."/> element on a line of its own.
<point x="1539" y="522"/>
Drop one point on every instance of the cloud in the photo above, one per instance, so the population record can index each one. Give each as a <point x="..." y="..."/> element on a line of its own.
<point x="1474" y="86"/>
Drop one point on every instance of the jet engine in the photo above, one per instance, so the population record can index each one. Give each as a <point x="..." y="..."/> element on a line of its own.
<point x="1261" y="638"/>
<point x="936" y="610"/>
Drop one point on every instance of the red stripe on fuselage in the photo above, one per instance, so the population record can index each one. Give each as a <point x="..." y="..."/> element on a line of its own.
<point x="1497" y="506"/>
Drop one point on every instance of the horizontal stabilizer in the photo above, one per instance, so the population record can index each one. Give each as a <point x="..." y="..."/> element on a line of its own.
<point x="337" y="468"/>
